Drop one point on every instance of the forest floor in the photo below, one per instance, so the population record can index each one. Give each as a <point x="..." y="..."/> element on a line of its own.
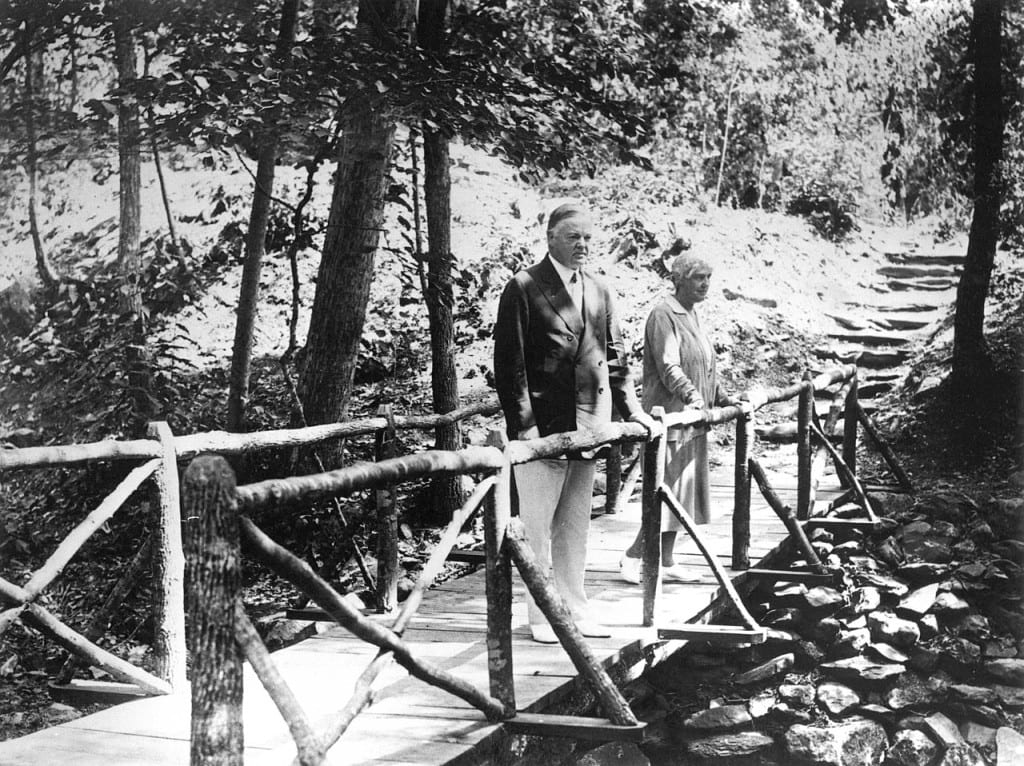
<point x="779" y="293"/>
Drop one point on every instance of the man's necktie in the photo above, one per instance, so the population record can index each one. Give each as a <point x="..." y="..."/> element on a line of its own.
<point x="576" y="290"/>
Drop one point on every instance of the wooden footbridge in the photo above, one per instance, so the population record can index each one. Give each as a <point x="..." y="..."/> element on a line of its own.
<point x="451" y="676"/>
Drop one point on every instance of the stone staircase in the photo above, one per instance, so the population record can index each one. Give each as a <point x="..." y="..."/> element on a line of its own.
<point x="912" y="294"/>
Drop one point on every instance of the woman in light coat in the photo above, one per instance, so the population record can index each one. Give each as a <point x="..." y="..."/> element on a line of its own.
<point x="680" y="373"/>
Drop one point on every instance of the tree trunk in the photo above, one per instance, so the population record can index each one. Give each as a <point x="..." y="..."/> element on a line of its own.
<point x="350" y="245"/>
<point x="971" y="361"/>
<point x="255" y="241"/>
<point x="128" y="257"/>
<point x="446" y="493"/>
<point x="47" y="275"/>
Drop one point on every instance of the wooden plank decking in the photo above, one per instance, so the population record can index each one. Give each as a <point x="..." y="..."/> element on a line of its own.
<point x="411" y="722"/>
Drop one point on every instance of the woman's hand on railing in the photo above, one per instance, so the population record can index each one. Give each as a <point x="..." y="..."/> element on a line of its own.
<point x="654" y="427"/>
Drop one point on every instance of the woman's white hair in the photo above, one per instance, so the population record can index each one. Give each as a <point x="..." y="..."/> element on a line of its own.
<point x="686" y="264"/>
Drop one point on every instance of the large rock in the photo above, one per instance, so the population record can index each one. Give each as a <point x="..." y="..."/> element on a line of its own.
<point x="976" y="695"/>
<point x="614" y="754"/>
<point x="886" y="584"/>
<point x="1008" y="671"/>
<point x="1010" y="696"/>
<point x="959" y="656"/>
<point x="1009" y="747"/>
<point x="837" y="699"/>
<point x="856" y="742"/>
<point x="913" y="691"/>
<point x="911" y="748"/>
<point x="943" y="730"/>
<point x="887" y="652"/>
<point x="920" y="572"/>
<point x="918" y="602"/>
<point x="824" y="598"/>
<point x="887" y="627"/>
<point x="962" y="755"/>
<point x="864" y="600"/>
<point x="766" y="670"/>
<point x="861" y="670"/>
<point x="850" y="643"/>
<point x="719" y="718"/>
<point x="922" y="541"/>
<point x="826" y="629"/>
<point x="726" y="747"/>
<point x="797" y="694"/>
<point x="979" y="735"/>
<point x="761" y="704"/>
<point x="949" y="606"/>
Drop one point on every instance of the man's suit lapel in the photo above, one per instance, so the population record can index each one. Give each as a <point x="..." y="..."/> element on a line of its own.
<point x="556" y="294"/>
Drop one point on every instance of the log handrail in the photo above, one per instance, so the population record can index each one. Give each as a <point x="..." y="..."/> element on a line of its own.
<point x="225" y="443"/>
<point x="76" y="454"/>
<point x="367" y="476"/>
<point x="756" y="399"/>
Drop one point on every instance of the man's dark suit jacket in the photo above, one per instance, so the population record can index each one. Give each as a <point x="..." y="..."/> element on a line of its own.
<point x="553" y="368"/>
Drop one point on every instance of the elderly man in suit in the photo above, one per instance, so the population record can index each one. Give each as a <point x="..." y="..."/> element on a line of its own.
<point x="559" y="365"/>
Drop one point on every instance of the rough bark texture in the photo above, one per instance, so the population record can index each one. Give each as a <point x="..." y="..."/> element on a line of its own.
<point x="130" y="183"/>
<point x="214" y="574"/>
<point x="255" y="241"/>
<point x="970" y="355"/>
<point x="353" y="230"/>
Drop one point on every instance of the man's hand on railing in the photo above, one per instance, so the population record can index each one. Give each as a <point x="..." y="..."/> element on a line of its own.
<point x="653" y="426"/>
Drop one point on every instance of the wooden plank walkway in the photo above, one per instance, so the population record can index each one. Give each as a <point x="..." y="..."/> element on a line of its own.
<point x="411" y="722"/>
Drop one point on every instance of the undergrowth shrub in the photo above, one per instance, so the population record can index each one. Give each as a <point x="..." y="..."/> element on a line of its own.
<point x="829" y="210"/>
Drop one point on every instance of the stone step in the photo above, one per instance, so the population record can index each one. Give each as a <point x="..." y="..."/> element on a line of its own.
<point x="897" y="307"/>
<point x="870" y="338"/>
<point x="785" y="433"/>
<point x="928" y="284"/>
<point x="848" y="322"/>
<point x="871" y="389"/>
<point x="872" y="359"/>
<point x="881" y="359"/>
<point x="916" y="272"/>
<point x="905" y="322"/>
<point x="925" y="259"/>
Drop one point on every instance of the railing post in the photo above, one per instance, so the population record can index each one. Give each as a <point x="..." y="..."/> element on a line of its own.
<point x="612" y="477"/>
<point x="805" y="412"/>
<point x="387" y="520"/>
<point x="168" y="566"/>
<point x="215" y="577"/>
<point x="850" y="429"/>
<point x="741" y="490"/>
<point x="498" y="582"/>
<point x="650" y="519"/>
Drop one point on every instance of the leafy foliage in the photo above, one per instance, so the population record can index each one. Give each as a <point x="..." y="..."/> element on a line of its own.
<point x="80" y="340"/>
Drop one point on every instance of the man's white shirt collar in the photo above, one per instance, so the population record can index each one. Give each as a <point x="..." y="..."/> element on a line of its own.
<point x="563" y="272"/>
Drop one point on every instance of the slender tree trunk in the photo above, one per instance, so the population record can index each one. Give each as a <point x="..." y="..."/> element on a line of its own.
<point x="154" y="149"/>
<point x="447" y="493"/>
<point x="130" y="185"/>
<point x="47" y="275"/>
<point x="350" y="245"/>
<point x="970" y="354"/>
<point x="255" y="241"/>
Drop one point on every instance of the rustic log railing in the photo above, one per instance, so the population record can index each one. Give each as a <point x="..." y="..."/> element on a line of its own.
<point x="162" y="550"/>
<point x="217" y="523"/>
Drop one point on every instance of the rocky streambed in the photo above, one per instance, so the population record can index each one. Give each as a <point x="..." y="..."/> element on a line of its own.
<point x="914" y="656"/>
